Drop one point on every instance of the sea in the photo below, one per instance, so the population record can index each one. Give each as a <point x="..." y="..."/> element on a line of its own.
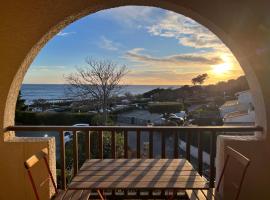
<point x="52" y="92"/>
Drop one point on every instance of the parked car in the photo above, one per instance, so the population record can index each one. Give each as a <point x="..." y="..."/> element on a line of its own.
<point x="182" y="114"/>
<point x="167" y="118"/>
<point x="93" y="111"/>
<point x="68" y="134"/>
<point x="78" y="125"/>
<point x="178" y="120"/>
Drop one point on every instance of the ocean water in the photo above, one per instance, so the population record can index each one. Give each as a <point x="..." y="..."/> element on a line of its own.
<point x="31" y="92"/>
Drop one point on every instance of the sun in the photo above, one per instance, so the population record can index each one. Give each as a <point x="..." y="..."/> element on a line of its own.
<point x="221" y="68"/>
<point x="224" y="67"/>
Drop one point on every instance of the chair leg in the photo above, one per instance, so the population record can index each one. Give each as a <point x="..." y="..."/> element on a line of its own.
<point x="172" y="196"/>
<point x="100" y="195"/>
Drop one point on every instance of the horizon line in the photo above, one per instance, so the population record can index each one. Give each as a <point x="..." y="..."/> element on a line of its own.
<point x="119" y="84"/>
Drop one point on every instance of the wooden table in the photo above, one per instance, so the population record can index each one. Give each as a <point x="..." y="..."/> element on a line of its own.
<point x="98" y="174"/>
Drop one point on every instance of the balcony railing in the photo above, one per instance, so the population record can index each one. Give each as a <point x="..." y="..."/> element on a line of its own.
<point x="178" y="133"/>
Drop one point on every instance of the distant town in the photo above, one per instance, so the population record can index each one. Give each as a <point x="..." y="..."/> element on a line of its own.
<point x="225" y="103"/>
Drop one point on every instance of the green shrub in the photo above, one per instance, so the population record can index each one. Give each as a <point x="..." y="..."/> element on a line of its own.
<point x="46" y="118"/>
<point x="165" y="107"/>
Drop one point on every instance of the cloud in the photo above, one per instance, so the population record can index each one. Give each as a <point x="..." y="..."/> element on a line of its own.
<point x="159" y="22"/>
<point x="186" y="31"/>
<point x="63" y="34"/>
<point x="107" y="44"/>
<point x="179" y="60"/>
<point x="131" y="16"/>
<point x="39" y="68"/>
<point x="162" y="77"/>
<point x="135" y="50"/>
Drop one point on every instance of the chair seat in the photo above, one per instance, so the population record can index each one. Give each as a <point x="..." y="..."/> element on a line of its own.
<point x="72" y="195"/>
<point x="210" y="194"/>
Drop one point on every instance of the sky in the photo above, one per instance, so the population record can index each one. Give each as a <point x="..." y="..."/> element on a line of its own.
<point x="159" y="47"/>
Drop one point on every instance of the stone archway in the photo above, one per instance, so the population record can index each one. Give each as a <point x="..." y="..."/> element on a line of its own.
<point x="242" y="25"/>
<point x="57" y="24"/>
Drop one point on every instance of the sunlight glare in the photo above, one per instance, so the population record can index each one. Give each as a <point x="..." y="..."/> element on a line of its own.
<point x="221" y="68"/>
<point x="224" y="67"/>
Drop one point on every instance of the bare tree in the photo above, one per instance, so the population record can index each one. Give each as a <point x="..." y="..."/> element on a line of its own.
<point x="199" y="79"/>
<point x="98" y="82"/>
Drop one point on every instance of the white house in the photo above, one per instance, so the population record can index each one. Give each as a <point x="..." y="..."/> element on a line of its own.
<point x="240" y="118"/>
<point x="244" y="97"/>
<point x="228" y="107"/>
<point x="239" y="111"/>
<point x="242" y="103"/>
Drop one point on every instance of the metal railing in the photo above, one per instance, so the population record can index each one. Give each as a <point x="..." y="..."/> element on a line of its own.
<point x="200" y="131"/>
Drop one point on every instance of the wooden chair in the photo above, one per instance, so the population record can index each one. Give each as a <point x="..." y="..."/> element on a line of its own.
<point x="59" y="194"/>
<point x="213" y="193"/>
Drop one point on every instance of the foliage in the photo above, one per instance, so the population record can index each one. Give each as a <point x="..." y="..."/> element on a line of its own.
<point x="199" y="79"/>
<point x="152" y="92"/>
<point x="97" y="120"/>
<point x="219" y="101"/>
<point x="228" y="88"/>
<point x="165" y="107"/>
<point x="46" y="118"/>
<point x="165" y="95"/>
<point x="41" y="103"/>
<point x="119" y="139"/>
<point x="20" y="105"/>
<point x="189" y="93"/>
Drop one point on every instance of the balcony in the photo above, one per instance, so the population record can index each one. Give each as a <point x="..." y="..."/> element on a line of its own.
<point x="168" y="138"/>
<point x="242" y="25"/>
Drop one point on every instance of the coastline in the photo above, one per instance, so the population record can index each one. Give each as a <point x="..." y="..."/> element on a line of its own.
<point x="53" y="92"/>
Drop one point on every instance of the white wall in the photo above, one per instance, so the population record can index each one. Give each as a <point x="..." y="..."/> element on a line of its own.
<point x="245" y="97"/>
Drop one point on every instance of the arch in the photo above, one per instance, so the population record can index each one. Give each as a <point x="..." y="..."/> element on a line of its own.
<point x="78" y="11"/>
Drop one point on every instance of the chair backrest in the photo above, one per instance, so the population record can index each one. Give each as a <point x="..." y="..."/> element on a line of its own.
<point x="33" y="160"/>
<point x="242" y="160"/>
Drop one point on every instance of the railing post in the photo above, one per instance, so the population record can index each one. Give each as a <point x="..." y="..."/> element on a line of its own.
<point x="138" y="150"/>
<point x="87" y="145"/>
<point x="75" y="152"/>
<point x="113" y="152"/>
<point x="150" y="151"/>
<point x="200" y="153"/>
<point x="151" y="144"/>
<point x="126" y="144"/>
<point x="212" y="159"/>
<point x="163" y="145"/>
<point x="176" y="145"/>
<point x="138" y="143"/>
<point x="63" y="160"/>
<point x="113" y="145"/>
<point x="100" y="144"/>
<point x="126" y="151"/>
<point x="188" y="137"/>
<point x="163" y="153"/>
